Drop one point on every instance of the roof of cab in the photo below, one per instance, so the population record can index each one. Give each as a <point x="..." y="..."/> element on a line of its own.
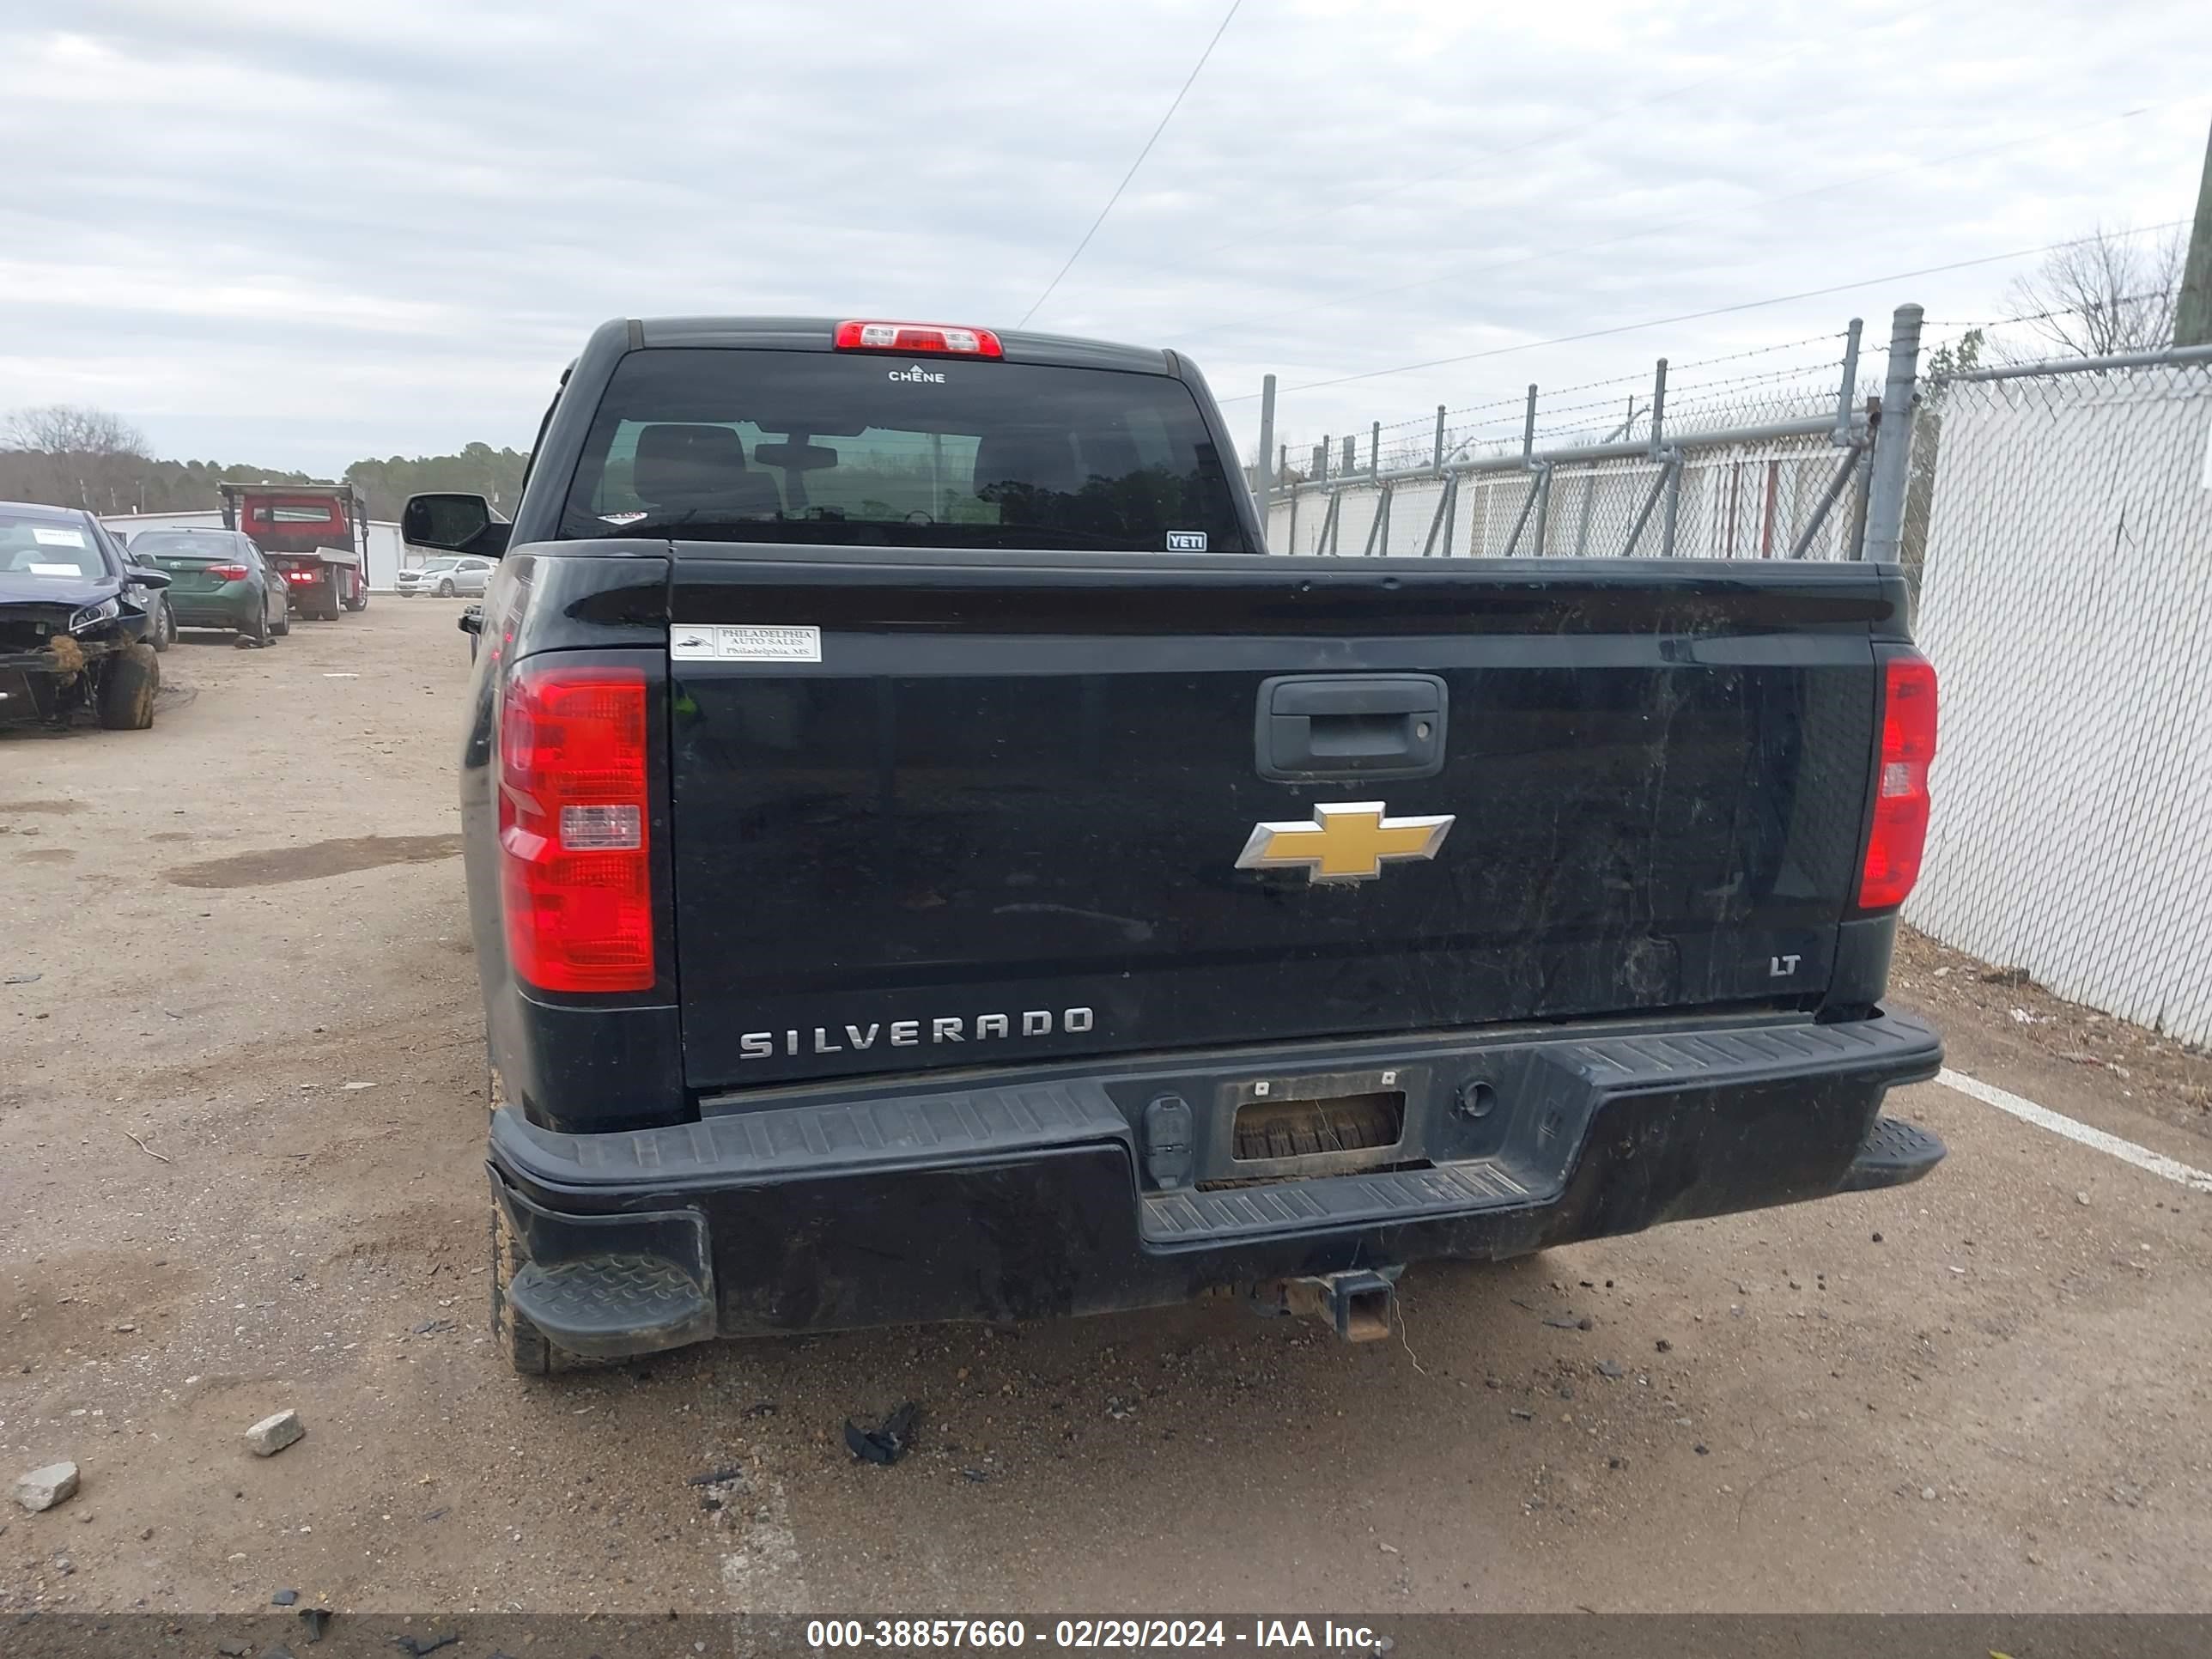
<point x="816" y="334"/>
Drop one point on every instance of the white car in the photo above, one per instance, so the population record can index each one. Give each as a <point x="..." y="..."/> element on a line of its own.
<point x="446" y="577"/>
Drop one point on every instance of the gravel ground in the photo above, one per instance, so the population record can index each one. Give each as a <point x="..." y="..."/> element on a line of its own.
<point x="239" y="1126"/>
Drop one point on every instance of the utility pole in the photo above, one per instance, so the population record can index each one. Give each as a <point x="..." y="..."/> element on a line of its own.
<point x="2192" y="316"/>
<point x="1263" y="479"/>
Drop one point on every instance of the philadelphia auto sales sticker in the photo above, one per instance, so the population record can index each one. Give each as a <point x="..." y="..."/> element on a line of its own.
<point x="744" y="643"/>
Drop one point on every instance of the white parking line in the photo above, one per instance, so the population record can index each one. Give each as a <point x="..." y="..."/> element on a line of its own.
<point x="2059" y="1124"/>
<point x="764" y="1573"/>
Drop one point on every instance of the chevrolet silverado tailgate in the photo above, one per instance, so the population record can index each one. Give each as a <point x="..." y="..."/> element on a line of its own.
<point x="932" y="810"/>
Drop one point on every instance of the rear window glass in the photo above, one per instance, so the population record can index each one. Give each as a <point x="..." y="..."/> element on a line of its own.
<point x="718" y="445"/>
<point x="293" y="514"/>
<point x="183" y="544"/>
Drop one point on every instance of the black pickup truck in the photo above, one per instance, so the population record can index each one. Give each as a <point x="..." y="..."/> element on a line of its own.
<point x="928" y="861"/>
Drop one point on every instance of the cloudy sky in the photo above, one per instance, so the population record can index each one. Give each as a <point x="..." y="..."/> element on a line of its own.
<point x="298" y="234"/>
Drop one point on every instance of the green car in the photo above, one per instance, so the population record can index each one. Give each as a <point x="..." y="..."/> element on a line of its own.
<point x="218" y="578"/>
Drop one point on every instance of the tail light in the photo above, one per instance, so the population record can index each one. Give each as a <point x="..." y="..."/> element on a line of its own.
<point x="941" y="339"/>
<point x="298" y="576"/>
<point x="574" y="874"/>
<point x="228" y="572"/>
<point x="1901" y="803"/>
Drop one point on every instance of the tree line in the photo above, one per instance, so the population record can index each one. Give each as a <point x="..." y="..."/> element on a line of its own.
<point x="71" y="456"/>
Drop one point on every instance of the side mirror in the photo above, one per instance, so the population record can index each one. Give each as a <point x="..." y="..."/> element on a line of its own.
<point x="471" y="620"/>
<point x="454" y="523"/>
<point x="141" y="577"/>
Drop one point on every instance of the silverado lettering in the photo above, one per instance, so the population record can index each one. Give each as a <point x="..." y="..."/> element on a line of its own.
<point x="911" y="1033"/>
<point x="875" y="946"/>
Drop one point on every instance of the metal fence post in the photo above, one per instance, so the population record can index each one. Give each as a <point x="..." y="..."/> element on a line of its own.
<point x="1673" y="506"/>
<point x="1263" y="478"/>
<point x="1537" y="480"/>
<point x="1892" y="449"/>
<point x="1859" y="495"/>
<point x="1850" y="381"/>
<point x="1350" y="457"/>
<point x="1436" y="460"/>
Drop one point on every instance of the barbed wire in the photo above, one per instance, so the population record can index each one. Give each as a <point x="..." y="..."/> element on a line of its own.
<point x="1683" y="397"/>
<point x="2056" y="310"/>
<point x="1697" y="396"/>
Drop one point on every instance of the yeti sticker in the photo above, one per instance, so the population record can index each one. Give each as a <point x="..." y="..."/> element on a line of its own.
<point x="1186" y="541"/>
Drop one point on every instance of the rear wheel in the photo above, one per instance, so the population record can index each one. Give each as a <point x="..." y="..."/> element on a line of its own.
<point x="258" y="633"/>
<point x="125" y="699"/>
<point x="165" y="629"/>
<point x="283" y="625"/>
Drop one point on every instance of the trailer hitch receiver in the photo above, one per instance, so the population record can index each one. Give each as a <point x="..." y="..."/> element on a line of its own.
<point x="1355" y="1304"/>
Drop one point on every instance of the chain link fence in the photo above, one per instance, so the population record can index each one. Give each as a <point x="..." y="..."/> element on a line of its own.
<point x="2061" y="520"/>
<point x="1718" y="460"/>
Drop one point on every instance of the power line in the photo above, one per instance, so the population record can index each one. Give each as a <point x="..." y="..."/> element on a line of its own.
<point x="1716" y="311"/>
<point x="1133" y="166"/>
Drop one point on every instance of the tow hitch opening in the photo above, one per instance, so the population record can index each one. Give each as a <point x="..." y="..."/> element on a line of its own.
<point x="1355" y="1304"/>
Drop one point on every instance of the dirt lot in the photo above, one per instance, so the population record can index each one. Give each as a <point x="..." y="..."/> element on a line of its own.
<point x="240" y="1118"/>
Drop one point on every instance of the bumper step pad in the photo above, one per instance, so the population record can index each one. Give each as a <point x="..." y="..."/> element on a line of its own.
<point x="1895" y="1152"/>
<point x="613" y="1305"/>
<point x="1331" y="1202"/>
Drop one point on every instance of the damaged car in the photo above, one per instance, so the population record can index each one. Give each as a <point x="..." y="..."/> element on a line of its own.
<point x="78" y="623"/>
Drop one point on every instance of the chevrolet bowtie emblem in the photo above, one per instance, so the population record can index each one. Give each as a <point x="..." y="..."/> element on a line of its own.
<point x="1350" y="842"/>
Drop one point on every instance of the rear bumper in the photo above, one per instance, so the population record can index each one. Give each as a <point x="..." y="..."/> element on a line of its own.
<point x="1042" y="1198"/>
<point x="214" y="609"/>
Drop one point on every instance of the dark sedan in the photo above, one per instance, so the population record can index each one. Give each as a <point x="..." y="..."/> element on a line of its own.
<point x="77" y="621"/>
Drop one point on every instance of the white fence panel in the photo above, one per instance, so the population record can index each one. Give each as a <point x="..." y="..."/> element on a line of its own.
<point x="2067" y="604"/>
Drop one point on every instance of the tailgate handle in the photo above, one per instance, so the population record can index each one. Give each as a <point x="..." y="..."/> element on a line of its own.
<point x="1348" y="726"/>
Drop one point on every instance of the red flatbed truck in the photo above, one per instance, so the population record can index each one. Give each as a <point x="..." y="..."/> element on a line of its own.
<point x="314" y="535"/>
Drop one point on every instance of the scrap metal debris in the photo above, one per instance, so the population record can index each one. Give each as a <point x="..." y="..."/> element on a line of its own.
<point x="887" y="1443"/>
